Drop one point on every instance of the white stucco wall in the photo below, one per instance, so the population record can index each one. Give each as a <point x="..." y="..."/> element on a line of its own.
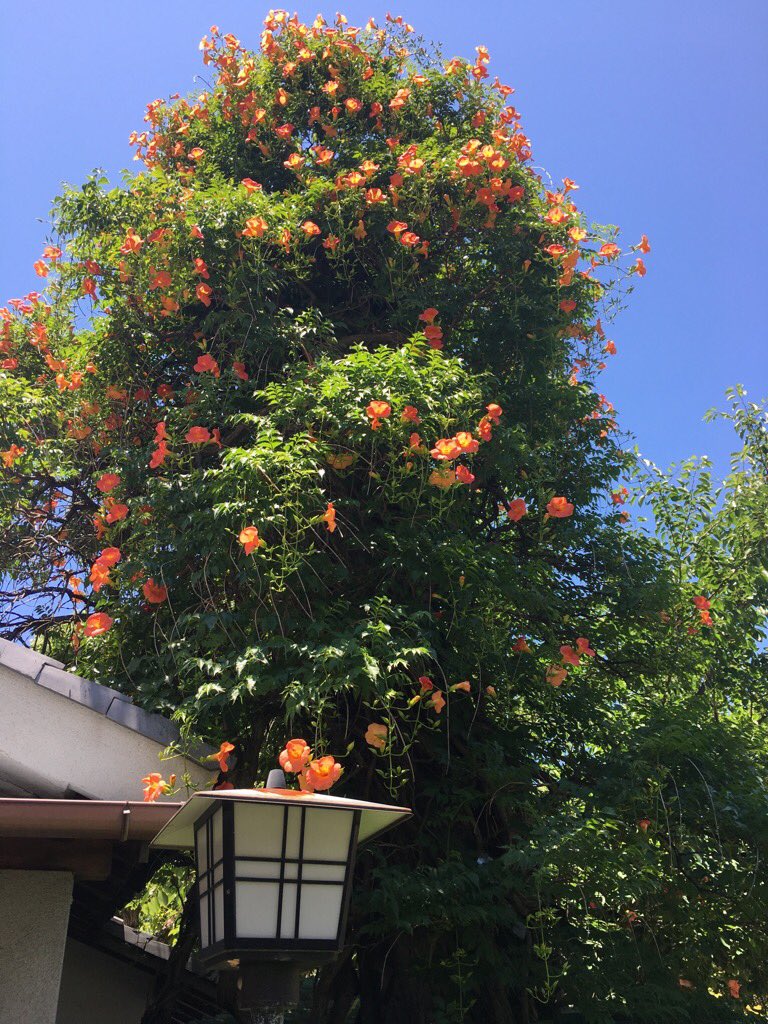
<point x="34" y="911"/>
<point x="52" y="746"/>
<point x="99" y="989"/>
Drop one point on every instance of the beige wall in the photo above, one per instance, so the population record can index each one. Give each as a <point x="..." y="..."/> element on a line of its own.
<point x="51" y="745"/>
<point x="96" y="988"/>
<point x="34" y="912"/>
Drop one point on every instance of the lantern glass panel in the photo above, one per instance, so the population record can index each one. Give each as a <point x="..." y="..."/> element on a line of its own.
<point x="324" y="872"/>
<point x="293" y="833"/>
<point x="210" y="878"/>
<point x="326" y="835"/>
<point x="290" y="866"/>
<point x="218" y="849"/>
<point x="258" y="831"/>
<point x="288" y="916"/>
<point x="320" y="911"/>
<point x="260" y="869"/>
<point x="257" y="906"/>
<point x="218" y="912"/>
<point x="204" y="937"/>
<point x="201" y="852"/>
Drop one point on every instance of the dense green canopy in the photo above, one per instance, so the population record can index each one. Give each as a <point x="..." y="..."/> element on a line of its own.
<point x="304" y="435"/>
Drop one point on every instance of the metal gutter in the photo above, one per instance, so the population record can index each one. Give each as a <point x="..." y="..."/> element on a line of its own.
<point x="118" y="821"/>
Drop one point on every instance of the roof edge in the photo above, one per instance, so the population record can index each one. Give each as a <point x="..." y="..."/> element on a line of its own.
<point x="115" y="820"/>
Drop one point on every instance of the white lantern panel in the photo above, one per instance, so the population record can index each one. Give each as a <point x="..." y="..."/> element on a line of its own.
<point x="258" y="831"/>
<point x="257" y="869"/>
<point x="288" y="915"/>
<point x="218" y="847"/>
<point x="323" y="872"/>
<point x="256" y="904"/>
<point x="201" y="840"/>
<point x="327" y="834"/>
<point x="293" y="834"/>
<point x="218" y="914"/>
<point x="320" y="911"/>
<point x="204" y="939"/>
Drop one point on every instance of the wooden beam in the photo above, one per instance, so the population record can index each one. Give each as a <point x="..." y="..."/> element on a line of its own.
<point x="88" y="859"/>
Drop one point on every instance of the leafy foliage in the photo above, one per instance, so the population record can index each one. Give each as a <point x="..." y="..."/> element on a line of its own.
<point x="158" y="910"/>
<point x="304" y="435"/>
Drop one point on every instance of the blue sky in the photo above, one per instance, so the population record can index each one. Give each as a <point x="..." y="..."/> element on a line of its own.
<point x="658" y="111"/>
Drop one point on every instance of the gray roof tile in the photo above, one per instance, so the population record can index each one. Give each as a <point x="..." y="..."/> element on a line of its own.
<point x="92" y="695"/>
<point x="23" y="660"/>
<point x="155" y="727"/>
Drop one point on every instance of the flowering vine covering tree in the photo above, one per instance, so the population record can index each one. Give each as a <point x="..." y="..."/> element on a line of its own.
<point x="303" y="438"/>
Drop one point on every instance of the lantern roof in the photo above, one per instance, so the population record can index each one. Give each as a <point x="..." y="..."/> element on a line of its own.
<point x="179" y="832"/>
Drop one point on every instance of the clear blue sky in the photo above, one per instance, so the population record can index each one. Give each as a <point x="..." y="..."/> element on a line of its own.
<point x="657" y="109"/>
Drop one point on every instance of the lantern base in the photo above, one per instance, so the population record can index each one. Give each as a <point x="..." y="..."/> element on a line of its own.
<point x="224" y="957"/>
<point x="266" y="989"/>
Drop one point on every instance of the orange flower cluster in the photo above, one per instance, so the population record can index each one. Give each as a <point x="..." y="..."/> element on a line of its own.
<point x="378" y="411"/>
<point x="516" y="509"/>
<point x="485" y="167"/>
<point x="376" y="735"/>
<point x="428" y="692"/>
<point x="155" y="786"/>
<point x="703" y="605"/>
<point x="313" y="773"/>
<point x="446" y="450"/>
<point x="98" y="624"/>
<point x="100" y="569"/>
<point x="559" y="508"/>
<point x="115" y="511"/>
<point x="155" y="593"/>
<point x="161" y="452"/>
<point x="482" y="166"/>
<point x="249" y="538"/>
<point x="10" y="455"/>
<point x="449" y="449"/>
<point x="432" y="332"/>
<point x="222" y="755"/>
<point x="556" y="674"/>
<point x="329" y="517"/>
<point x="107" y="482"/>
<point x="206" y="363"/>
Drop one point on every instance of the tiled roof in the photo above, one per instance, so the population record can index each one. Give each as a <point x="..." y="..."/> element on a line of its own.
<point x="103" y="700"/>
